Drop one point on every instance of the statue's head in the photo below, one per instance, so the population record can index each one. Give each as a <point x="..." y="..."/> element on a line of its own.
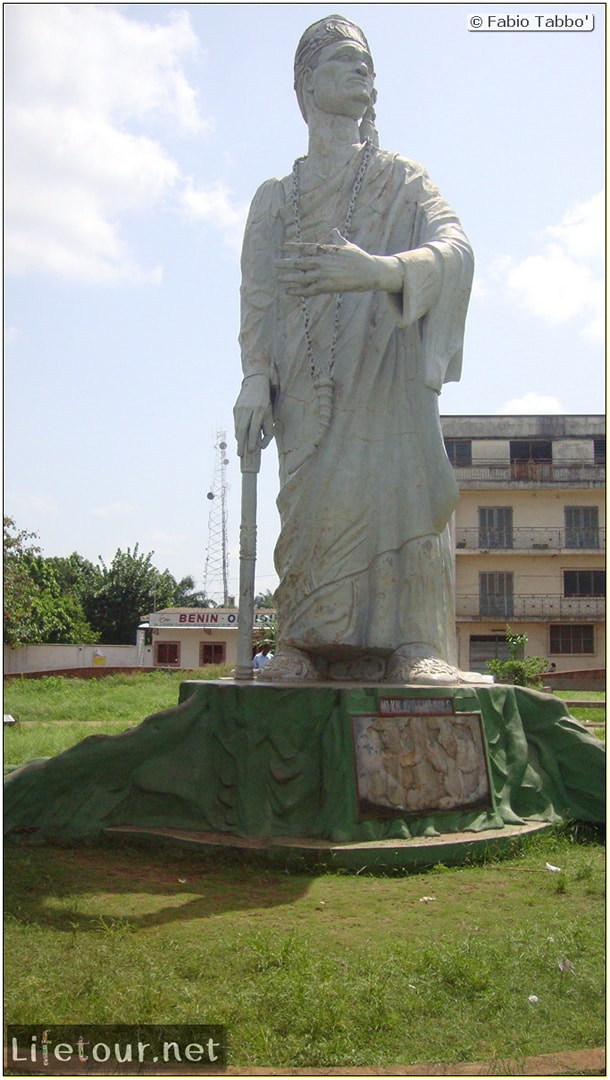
<point x="331" y="30"/>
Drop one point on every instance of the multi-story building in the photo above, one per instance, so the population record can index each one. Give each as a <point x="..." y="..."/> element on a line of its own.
<point x="529" y="536"/>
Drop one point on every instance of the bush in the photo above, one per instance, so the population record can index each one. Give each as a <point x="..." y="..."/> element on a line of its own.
<point x="519" y="670"/>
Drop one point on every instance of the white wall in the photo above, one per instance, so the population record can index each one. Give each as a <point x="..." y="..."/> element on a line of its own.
<point x="55" y="657"/>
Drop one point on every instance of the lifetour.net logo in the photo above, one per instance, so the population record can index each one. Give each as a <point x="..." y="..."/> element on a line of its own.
<point x="58" y="1049"/>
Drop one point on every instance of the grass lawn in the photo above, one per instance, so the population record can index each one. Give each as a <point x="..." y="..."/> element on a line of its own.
<point x="56" y="712"/>
<point x="314" y="969"/>
<point x="305" y="969"/>
<point x="590" y="714"/>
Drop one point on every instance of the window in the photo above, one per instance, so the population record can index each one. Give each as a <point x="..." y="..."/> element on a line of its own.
<point x="495" y="526"/>
<point x="531" y="459"/>
<point x="459" y="452"/>
<point x="496" y="594"/>
<point x="599" y="451"/>
<point x="572" y="638"/>
<point x="584" y="583"/>
<point x="212" y="652"/>
<point x="531" y="450"/>
<point x="167" y="653"/>
<point x="582" y="526"/>
<point x="484" y="647"/>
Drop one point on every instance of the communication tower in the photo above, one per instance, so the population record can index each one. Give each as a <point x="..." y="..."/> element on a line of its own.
<point x="216" y="576"/>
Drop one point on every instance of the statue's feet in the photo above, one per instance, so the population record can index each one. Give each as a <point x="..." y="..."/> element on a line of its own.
<point x="364" y="668"/>
<point x="431" y="671"/>
<point x="289" y="665"/>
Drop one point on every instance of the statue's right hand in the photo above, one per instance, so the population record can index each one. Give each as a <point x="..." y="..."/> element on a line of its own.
<point x="253" y="415"/>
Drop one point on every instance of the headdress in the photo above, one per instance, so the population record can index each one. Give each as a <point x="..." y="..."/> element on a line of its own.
<point x="317" y="36"/>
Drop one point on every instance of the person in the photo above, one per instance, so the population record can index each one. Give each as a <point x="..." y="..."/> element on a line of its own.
<point x="262" y="658"/>
<point x="356" y="277"/>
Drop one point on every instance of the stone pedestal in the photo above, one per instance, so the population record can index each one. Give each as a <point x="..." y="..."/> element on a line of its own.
<point x="320" y="766"/>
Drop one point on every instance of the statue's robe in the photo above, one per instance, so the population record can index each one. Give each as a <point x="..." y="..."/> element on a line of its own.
<point x="364" y="556"/>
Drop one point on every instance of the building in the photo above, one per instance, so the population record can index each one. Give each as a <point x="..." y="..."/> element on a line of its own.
<point x="529" y="536"/>
<point x="529" y="542"/>
<point x="193" y="637"/>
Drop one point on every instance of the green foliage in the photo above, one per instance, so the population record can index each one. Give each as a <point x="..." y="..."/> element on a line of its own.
<point x="69" y="600"/>
<point x="127" y="590"/>
<point x="20" y="588"/>
<point x="519" y="670"/>
<point x="264" y="600"/>
<point x="42" y="604"/>
<point x="270" y="634"/>
<point x="186" y="596"/>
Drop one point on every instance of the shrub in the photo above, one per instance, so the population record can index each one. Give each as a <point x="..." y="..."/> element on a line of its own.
<point x="518" y="670"/>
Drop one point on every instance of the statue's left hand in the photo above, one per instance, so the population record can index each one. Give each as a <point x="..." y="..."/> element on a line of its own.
<point x="338" y="266"/>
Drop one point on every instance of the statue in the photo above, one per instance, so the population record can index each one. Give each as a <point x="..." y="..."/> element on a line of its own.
<point x="356" y="277"/>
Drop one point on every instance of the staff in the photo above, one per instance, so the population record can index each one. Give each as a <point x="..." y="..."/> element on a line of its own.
<point x="250" y="466"/>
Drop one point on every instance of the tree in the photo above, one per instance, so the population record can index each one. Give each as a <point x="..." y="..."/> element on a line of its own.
<point x="19" y="587"/>
<point x="186" y="596"/>
<point x="264" y="600"/>
<point x="125" y="591"/>
<point x="38" y="610"/>
<point x="75" y="575"/>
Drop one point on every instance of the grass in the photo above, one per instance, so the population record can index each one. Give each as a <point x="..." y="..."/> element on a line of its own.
<point x="589" y="714"/>
<point x="314" y="970"/>
<point x="306" y="969"/>
<point x="56" y="712"/>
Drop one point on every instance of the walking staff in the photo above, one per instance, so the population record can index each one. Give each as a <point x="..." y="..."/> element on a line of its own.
<point x="250" y="467"/>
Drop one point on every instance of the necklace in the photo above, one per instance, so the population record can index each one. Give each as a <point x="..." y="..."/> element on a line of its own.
<point x="322" y="372"/>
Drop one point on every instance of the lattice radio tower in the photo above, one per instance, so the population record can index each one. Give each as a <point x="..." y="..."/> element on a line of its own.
<point x="216" y="576"/>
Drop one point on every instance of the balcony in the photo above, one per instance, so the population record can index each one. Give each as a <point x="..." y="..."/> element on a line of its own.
<point x="542" y="473"/>
<point x="533" y="540"/>
<point x="523" y="607"/>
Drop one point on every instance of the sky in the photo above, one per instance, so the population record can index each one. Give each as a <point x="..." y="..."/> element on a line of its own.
<point x="135" y="138"/>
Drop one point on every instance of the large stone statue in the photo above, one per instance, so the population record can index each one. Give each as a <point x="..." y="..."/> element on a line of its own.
<point x="356" y="279"/>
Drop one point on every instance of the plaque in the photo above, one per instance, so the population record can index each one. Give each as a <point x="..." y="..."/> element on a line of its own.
<point x="420" y="764"/>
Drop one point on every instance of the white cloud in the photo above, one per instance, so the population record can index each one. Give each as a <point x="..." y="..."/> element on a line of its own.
<point x="530" y="404"/>
<point x="215" y="207"/>
<point x="87" y="90"/>
<point x="565" y="280"/>
<point x="119" y="507"/>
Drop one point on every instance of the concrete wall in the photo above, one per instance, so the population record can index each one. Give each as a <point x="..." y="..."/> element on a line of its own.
<point x="534" y="509"/>
<point x="67" y="657"/>
<point x="537" y="634"/>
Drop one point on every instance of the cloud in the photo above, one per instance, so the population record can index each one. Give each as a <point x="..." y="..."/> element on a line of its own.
<point x="215" y="207"/>
<point x="119" y="507"/>
<point x="530" y="404"/>
<point x="565" y="280"/>
<point x="88" y="91"/>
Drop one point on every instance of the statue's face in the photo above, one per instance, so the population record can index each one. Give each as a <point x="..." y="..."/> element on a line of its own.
<point x="342" y="80"/>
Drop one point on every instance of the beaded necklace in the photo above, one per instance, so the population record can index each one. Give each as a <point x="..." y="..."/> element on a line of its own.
<point x="322" y="372"/>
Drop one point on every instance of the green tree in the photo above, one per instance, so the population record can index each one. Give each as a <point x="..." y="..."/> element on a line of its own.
<point x="75" y="575"/>
<point x="264" y="600"/>
<point x="19" y="586"/>
<point x="188" y="596"/>
<point x="37" y="609"/>
<point x="125" y="591"/>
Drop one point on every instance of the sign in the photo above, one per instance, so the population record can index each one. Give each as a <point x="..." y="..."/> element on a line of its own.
<point x="421" y="763"/>
<point x="185" y="618"/>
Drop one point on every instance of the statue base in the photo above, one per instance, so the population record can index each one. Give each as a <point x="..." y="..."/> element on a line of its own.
<point x="353" y="775"/>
